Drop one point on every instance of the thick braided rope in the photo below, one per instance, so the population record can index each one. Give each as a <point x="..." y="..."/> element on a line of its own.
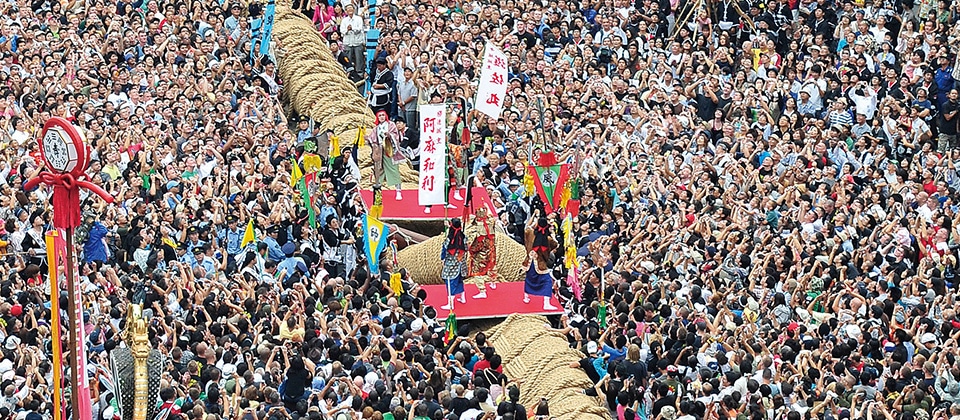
<point x="539" y="361"/>
<point x="422" y="260"/>
<point x="314" y="83"/>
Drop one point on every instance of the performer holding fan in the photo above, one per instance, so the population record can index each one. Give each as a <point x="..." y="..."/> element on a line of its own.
<point x="540" y="246"/>
<point x="454" y="256"/>
<point x="384" y="142"/>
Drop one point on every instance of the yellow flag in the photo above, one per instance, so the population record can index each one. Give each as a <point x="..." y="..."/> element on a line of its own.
<point x="295" y="173"/>
<point x="334" y="146"/>
<point x="376" y="210"/>
<point x="395" y="284"/>
<point x="361" y="133"/>
<point x="248" y="235"/>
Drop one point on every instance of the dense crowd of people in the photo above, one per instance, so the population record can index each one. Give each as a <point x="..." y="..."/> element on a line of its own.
<point x="767" y="188"/>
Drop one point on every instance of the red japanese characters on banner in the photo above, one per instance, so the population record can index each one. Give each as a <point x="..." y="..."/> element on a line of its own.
<point x="433" y="151"/>
<point x="493" y="82"/>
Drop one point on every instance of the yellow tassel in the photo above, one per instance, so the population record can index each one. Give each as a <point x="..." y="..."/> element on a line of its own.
<point x="361" y="133"/>
<point x="565" y="194"/>
<point x="395" y="284"/>
<point x="528" y="186"/>
<point x="312" y="163"/>
<point x="376" y="210"/>
<point x="570" y="258"/>
<point x="570" y="248"/>
<point x="334" y="146"/>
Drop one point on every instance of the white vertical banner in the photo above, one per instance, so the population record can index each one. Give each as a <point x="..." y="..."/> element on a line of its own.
<point x="493" y="82"/>
<point x="433" y="153"/>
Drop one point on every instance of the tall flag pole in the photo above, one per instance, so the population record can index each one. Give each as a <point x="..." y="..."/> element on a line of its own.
<point x="267" y="31"/>
<point x="602" y="310"/>
<point x="66" y="157"/>
<point x="256" y="34"/>
<point x="373" y="38"/>
<point x="446" y="234"/>
<point x="52" y="259"/>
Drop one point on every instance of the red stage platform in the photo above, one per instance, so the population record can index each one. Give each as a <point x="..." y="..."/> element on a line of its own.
<point x="409" y="209"/>
<point x="506" y="300"/>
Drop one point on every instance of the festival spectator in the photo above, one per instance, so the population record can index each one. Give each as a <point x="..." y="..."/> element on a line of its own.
<point x="767" y="190"/>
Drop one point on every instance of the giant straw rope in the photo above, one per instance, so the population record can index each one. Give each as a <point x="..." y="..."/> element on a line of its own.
<point x="539" y="359"/>
<point x="422" y="260"/>
<point x="315" y="85"/>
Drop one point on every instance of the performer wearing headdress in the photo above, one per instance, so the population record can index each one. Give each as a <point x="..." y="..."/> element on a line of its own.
<point x="482" y="258"/>
<point x="454" y="256"/>
<point x="540" y="246"/>
<point x="384" y="142"/>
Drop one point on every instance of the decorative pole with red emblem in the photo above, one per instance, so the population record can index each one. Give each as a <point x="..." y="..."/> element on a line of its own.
<point x="66" y="157"/>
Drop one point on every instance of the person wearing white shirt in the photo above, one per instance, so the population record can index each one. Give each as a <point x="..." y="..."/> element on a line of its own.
<point x="865" y="99"/>
<point x="352" y="30"/>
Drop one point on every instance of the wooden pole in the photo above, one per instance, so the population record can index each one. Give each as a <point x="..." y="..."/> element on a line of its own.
<point x="543" y="131"/>
<point x="446" y="232"/>
<point x="72" y="310"/>
<point x="55" y="325"/>
<point x="689" y="13"/>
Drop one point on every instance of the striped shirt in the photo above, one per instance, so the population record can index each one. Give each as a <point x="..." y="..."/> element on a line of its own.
<point x="840" y="117"/>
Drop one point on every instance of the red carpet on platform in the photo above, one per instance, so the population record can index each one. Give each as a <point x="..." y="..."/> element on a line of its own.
<point x="506" y="300"/>
<point x="409" y="209"/>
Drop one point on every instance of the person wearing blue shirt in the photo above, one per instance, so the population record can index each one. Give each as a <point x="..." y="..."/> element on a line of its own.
<point x="303" y="129"/>
<point x="192" y="238"/>
<point x="231" y="22"/>
<point x="590" y="14"/>
<point x="593" y="365"/>
<point x="202" y="258"/>
<point x="95" y="249"/>
<point x="124" y="6"/>
<point x="185" y="255"/>
<point x="11" y="40"/>
<point x="614" y="353"/>
<point x="232" y="237"/>
<point x="479" y="162"/>
<point x="945" y="82"/>
<point x="505" y="186"/>
<point x="290" y="264"/>
<point x="173" y="187"/>
<point x="274" y="250"/>
<point x="328" y="209"/>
